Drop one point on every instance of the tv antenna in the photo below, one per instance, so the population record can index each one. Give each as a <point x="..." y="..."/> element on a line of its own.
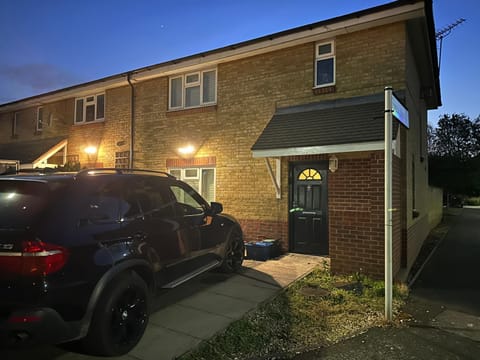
<point x="444" y="32"/>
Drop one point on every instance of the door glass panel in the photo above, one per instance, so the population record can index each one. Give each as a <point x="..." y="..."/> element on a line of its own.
<point x="309" y="174"/>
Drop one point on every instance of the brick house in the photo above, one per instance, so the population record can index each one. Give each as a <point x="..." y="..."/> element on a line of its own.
<point x="285" y="130"/>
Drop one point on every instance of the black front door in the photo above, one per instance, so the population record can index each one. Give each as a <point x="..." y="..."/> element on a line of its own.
<point x="308" y="208"/>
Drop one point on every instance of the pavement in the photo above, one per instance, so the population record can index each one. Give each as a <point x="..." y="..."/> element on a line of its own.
<point x="195" y="311"/>
<point x="444" y="305"/>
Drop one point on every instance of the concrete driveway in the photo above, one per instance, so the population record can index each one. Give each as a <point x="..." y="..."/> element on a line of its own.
<point x="184" y="317"/>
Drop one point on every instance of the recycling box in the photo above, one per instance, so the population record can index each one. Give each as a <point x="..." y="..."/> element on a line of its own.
<point x="262" y="250"/>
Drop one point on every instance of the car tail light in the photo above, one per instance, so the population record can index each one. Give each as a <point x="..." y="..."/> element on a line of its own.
<point x="36" y="258"/>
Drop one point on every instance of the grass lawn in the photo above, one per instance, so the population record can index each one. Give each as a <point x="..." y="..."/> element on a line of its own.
<point x="318" y="310"/>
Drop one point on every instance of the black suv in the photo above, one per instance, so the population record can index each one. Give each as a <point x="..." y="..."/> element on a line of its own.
<point x="81" y="254"/>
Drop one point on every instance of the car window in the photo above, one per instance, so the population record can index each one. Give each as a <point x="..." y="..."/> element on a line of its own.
<point x="102" y="202"/>
<point x="188" y="202"/>
<point x="147" y="197"/>
<point x="23" y="203"/>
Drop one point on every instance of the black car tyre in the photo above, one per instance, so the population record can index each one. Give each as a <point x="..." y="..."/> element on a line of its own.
<point x="234" y="253"/>
<point x="120" y="317"/>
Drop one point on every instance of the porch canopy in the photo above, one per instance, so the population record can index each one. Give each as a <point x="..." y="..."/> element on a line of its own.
<point x="33" y="154"/>
<point x="336" y="126"/>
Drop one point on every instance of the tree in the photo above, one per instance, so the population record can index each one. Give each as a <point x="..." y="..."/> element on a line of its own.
<point x="455" y="137"/>
<point x="454" y="154"/>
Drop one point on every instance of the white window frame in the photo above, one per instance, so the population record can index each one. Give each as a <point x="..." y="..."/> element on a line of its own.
<point x="186" y="85"/>
<point x="183" y="177"/>
<point x="39" y="122"/>
<point x="85" y="104"/>
<point x="330" y="55"/>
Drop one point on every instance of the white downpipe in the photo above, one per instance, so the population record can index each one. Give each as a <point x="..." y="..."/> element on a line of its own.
<point x="388" y="203"/>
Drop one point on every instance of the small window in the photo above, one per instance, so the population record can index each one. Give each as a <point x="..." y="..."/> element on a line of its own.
<point x="39" y="126"/>
<point x="309" y="174"/>
<point x="193" y="90"/>
<point x="325" y="64"/>
<point x="90" y="109"/>
<point x="191" y="174"/>
<point x="176" y="172"/>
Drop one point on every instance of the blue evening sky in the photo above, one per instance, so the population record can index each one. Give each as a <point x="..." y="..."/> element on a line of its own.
<point x="50" y="44"/>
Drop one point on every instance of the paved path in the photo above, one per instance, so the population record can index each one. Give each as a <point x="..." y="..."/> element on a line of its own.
<point x="197" y="310"/>
<point x="445" y="303"/>
<point x="446" y="295"/>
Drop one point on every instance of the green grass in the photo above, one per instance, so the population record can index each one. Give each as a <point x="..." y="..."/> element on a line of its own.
<point x="312" y="312"/>
<point x="473" y="201"/>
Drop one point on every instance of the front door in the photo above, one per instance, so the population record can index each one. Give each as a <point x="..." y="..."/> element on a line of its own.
<point x="308" y="208"/>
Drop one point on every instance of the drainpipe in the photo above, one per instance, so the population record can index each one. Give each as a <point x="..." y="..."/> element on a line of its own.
<point x="132" y="118"/>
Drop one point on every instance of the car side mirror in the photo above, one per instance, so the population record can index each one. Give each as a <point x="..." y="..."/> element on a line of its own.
<point x="215" y="208"/>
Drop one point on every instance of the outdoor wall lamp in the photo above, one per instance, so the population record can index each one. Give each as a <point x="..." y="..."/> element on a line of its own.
<point x="90" y="150"/>
<point x="333" y="163"/>
<point x="186" y="150"/>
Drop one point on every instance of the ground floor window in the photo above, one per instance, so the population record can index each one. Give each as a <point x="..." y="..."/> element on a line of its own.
<point x="201" y="179"/>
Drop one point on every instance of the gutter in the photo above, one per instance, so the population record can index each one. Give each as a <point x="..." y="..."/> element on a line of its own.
<point x="132" y="119"/>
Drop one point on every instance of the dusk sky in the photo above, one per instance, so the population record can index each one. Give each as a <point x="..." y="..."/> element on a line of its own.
<point x="51" y="44"/>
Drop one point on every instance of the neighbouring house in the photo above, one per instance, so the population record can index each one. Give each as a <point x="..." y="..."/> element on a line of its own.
<point x="286" y="130"/>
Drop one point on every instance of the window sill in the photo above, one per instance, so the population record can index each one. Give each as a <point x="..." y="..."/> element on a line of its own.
<point x="324" y="90"/>
<point x="89" y="123"/>
<point x="193" y="110"/>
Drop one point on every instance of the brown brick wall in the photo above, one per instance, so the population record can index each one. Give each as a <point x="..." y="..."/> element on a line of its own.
<point x="249" y="91"/>
<point x="109" y="136"/>
<point x="355" y="214"/>
<point x="57" y="117"/>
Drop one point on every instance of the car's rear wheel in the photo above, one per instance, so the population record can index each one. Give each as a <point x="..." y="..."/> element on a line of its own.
<point x="120" y="318"/>
<point x="234" y="253"/>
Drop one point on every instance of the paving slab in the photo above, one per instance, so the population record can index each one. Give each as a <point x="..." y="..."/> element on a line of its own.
<point x="459" y="323"/>
<point x="159" y="343"/>
<point x="244" y="291"/>
<point x="193" y="322"/>
<point x="219" y="304"/>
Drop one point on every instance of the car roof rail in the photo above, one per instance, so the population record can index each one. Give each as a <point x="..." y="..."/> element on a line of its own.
<point x="94" y="171"/>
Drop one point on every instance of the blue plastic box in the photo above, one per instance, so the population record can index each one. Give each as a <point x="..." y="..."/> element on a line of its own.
<point x="262" y="250"/>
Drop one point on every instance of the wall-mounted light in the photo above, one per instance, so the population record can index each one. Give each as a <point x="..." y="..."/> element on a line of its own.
<point x="90" y="150"/>
<point x="333" y="163"/>
<point x="186" y="150"/>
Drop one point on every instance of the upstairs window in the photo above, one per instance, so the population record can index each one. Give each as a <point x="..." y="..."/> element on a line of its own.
<point x="90" y="109"/>
<point x="325" y="64"/>
<point x="193" y="90"/>
<point x="39" y="126"/>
